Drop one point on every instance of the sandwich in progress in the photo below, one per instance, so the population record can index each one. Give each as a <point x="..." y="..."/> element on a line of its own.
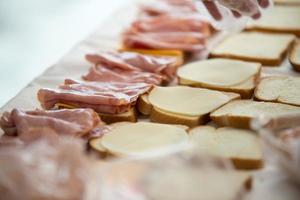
<point x="141" y="139"/>
<point x="280" y="19"/>
<point x="279" y="89"/>
<point x="221" y="74"/>
<point x="239" y="113"/>
<point x="266" y="48"/>
<point x="242" y="147"/>
<point x="184" y="105"/>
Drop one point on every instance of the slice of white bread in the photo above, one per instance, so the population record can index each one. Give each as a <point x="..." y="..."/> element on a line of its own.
<point x="239" y="113"/>
<point x="221" y="74"/>
<point x="295" y="56"/>
<point x="142" y="139"/>
<point x="287" y="2"/>
<point x="279" y="19"/>
<point x="242" y="147"/>
<point x="279" y="89"/>
<point x="268" y="49"/>
<point x="129" y="116"/>
<point x="143" y="105"/>
<point x="185" y="105"/>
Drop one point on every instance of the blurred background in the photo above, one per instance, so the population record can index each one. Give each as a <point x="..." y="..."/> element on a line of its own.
<point x="34" y="34"/>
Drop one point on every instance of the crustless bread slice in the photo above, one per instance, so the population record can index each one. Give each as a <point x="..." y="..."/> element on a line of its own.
<point x="268" y="49"/>
<point x="279" y="89"/>
<point x="239" y="113"/>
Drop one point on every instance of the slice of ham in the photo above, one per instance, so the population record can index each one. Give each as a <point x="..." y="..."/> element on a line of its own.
<point x="32" y="125"/>
<point x="102" y="73"/>
<point x="103" y="97"/>
<point x="185" y="41"/>
<point x="129" y="61"/>
<point x="162" y="7"/>
<point x="172" y="23"/>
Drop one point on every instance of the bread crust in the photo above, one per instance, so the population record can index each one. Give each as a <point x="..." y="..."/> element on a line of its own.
<point x="294" y="51"/>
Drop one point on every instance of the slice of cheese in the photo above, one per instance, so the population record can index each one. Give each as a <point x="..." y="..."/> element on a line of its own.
<point x="219" y="72"/>
<point x="265" y="48"/>
<point x="186" y="100"/>
<point x="143" y="139"/>
<point x="285" y="19"/>
<point x="231" y="143"/>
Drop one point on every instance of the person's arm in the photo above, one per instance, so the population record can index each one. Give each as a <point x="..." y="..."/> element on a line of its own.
<point x="238" y="7"/>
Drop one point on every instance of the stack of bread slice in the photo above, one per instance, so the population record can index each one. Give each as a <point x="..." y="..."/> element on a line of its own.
<point x="268" y="49"/>
<point x="239" y="113"/>
<point x="221" y="74"/>
<point x="279" y="89"/>
<point x="183" y="105"/>
<point x="242" y="147"/>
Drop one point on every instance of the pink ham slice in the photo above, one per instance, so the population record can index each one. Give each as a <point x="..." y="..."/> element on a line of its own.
<point x="161" y="7"/>
<point x="103" y="97"/>
<point x="172" y="23"/>
<point x="101" y="73"/>
<point x="185" y="41"/>
<point x="32" y="125"/>
<point x="133" y="64"/>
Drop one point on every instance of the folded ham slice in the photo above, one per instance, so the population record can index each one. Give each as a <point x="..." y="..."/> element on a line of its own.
<point x="185" y="41"/>
<point x="32" y="125"/>
<point x="103" y="97"/>
<point x="102" y="73"/>
<point x="131" y="67"/>
<point x="172" y="23"/>
<point x="161" y="7"/>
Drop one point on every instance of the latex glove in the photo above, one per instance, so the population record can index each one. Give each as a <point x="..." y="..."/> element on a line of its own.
<point x="238" y="7"/>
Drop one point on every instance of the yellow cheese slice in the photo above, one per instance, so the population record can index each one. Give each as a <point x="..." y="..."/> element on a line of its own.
<point x="187" y="100"/>
<point x="143" y="139"/>
<point x="287" y="2"/>
<point x="227" y="142"/>
<point x="254" y="45"/>
<point x="219" y="72"/>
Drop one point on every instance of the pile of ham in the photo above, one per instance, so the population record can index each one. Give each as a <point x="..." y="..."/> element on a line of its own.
<point x="173" y="25"/>
<point x="21" y="126"/>
<point x="103" y="97"/>
<point x="130" y="67"/>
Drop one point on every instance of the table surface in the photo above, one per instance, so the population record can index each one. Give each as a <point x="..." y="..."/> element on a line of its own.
<point x="35" y="34"/>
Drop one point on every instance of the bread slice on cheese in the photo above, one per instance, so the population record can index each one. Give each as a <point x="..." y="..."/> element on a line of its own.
<point x="239" y="113"/>
<point x="242" y="147"/>
<point x="266" y="48"/>
<point x="279" y="89"/>
<point x="221" y="74"/>
<point x="287" y="2"/>
<point x="279" y="19"/>
<point x="295" y="56"/>
<point x="142" y="139"/>
<point x="129" y="116"/>
<point x="185" y="105"/>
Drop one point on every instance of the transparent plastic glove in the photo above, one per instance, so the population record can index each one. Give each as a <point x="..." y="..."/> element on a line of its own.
<point x="238" y="7"/>
<point x="232" y="15"/>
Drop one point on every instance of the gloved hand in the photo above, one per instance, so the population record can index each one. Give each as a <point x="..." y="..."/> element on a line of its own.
<point x="238" y="7"/>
